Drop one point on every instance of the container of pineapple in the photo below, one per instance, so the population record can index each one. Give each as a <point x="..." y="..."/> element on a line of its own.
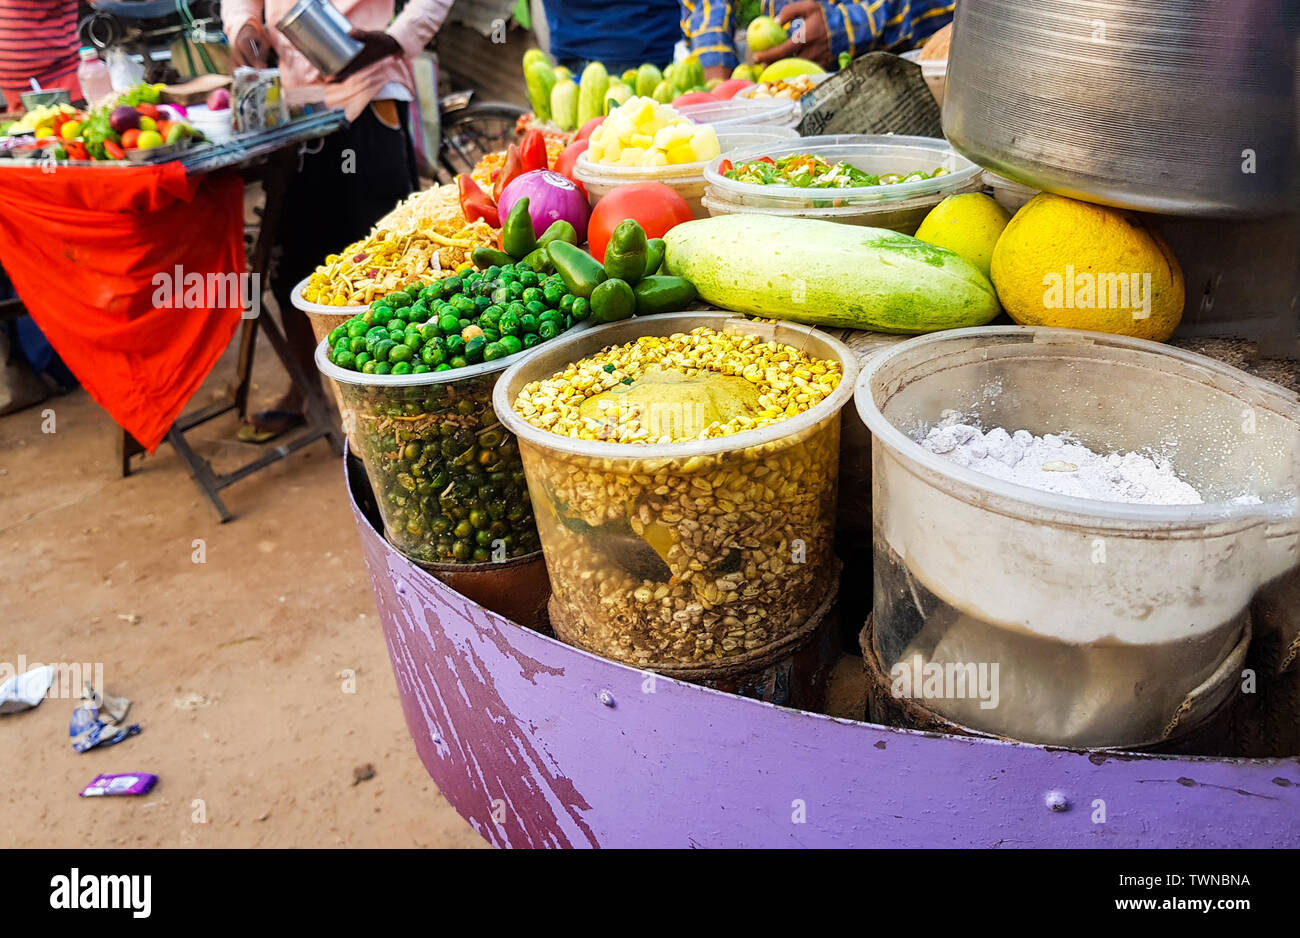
<point x="645" y="141"/>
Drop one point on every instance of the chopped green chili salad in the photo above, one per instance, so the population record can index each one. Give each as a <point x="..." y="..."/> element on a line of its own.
<point x="809" y="171"/>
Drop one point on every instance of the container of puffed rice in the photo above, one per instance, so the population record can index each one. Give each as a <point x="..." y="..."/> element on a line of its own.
<point x="682" y="470"/>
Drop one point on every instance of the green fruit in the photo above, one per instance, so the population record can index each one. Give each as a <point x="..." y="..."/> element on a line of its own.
<point x="625" y="255"/>
<point x="660" y="294"/>
<point x="790" y="68"/>
<point x="647" y="80"/>
<point x="539" y="78"/>
<point x="591" y="94"/>
<point x="764" y="33"/>
<point x="824" y="273"/>
<point x="617" y="94"/>
<point x="564" y="104"/>
<point x="664" y="92"/>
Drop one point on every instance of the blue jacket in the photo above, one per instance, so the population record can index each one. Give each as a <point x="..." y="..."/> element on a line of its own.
<point x="621" y="35"/>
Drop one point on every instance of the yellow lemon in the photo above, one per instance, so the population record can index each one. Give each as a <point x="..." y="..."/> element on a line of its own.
<point x="1071" y="264"/>
<point x="968" y="224"/>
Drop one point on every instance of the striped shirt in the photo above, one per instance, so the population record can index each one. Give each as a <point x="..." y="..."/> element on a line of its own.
<point x="855" y="26"/>
<point x="38" y="39"/>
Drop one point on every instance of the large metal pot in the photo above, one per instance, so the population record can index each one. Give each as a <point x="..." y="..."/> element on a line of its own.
<point x="1186" y="107"/>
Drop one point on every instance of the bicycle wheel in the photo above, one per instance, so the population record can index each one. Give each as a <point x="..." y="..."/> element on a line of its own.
<point x="472" y="132"/>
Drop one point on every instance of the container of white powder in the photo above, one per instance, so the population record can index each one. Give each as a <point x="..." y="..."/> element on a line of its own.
<point x="1091" y="512"/>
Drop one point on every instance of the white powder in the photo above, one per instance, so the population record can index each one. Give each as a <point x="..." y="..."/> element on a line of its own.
<point x="1054" y="463"/>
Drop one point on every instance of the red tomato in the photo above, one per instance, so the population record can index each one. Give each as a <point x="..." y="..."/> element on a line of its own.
<point x="147" y="110"/>
<point x="130" y="137"/>
<point x="164" y="126"/>
<point x="589" y="128"/>
<point x="730" y="88"/>
<point x="694" y="97"/>
<point x="655" y="207"/>
<point x="569" y="158"/>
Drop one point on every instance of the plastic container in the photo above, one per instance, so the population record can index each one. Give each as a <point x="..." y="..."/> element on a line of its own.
<point x="446" y="475"/>
<point x="744" y="112"/>
<point x="216" y="125"/>
<point x="934" y="71"/>
<point x="1110" y="624"/>
<point x="323" y="316"/>
<point x="92" y="76"/>
<point x="686" y="178"/>
<point x="1007" y="192"/>
<point x="744" y="524"/>
<point x="900" y="207"/>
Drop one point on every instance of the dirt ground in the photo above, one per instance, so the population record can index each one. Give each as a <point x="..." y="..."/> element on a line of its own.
<point x="237" y="667"/>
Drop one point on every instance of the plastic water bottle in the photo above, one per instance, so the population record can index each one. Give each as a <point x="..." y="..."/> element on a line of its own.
<point x="92" y="75"/>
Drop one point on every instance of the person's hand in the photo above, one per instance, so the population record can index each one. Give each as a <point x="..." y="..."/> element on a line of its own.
<point x="813" y="42"/>
<point x="720" y="72"/>
<point x="251" y="46"/>
<point x="376" y="45"/>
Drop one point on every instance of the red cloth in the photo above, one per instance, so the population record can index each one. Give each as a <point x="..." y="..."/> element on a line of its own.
<point x="85" y="248"/>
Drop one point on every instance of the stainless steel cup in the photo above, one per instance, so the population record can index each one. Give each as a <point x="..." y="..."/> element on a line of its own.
<point x="320" y="32"/>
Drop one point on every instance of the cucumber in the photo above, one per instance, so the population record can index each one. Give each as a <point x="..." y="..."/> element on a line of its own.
<point x="591" y="93"/>
<point x="539" y="78"/>
<point x="564" y="104"/>
<point x="827" y="274"/>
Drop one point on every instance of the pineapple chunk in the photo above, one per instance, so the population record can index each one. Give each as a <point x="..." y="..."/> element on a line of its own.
<point x="642" y="140"/>
<point x="654" y="158"/>
<point x="630" y="156"/>
<point x="668" y="137"/>
<point x="681" y="153"/>
<point x="705" y="143"/>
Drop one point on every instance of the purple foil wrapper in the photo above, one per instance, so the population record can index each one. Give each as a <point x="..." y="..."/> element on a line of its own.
<point x="125" y="783"/>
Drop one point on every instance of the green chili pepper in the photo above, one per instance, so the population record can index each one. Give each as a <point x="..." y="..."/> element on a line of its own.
<point x="625" y="255"/>
<point x="517" y="235"/>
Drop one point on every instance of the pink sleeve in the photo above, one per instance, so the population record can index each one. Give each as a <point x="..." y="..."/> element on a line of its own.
<point x="235" y="14"/>
<point x="417" y="23"/>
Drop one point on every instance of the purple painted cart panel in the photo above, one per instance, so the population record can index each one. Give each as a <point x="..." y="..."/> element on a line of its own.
<point x="538" y="744"/>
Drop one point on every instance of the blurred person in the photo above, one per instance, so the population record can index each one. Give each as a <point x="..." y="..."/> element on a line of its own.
<point x="619" y="35"/>
<point x="350" y="179"/>
<point x="853" y="26"/>
<point x="38" y="39"/>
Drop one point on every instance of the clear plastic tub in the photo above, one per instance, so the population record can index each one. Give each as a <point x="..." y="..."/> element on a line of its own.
<point x="744" y="112"/>
<point x="900" y="207"/>
<point x="323" y="316"/>
<point x="934" y="71"/>
<point x="1007" y="192"/>
<point x="1110" y="624"/>
<point x="686" y="178"/>
<point x="445" y="473"/>
<point x="684" y="553"/>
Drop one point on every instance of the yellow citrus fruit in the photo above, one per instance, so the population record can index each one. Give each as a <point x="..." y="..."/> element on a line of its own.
<point x="968" y="224"/>
<point x="1075" y="265"/>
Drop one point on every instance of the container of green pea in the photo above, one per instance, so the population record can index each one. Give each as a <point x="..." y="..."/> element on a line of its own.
<point x="415" y="375"/>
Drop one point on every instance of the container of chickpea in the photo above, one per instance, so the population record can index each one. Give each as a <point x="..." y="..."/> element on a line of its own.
<point x="682" y="470"/>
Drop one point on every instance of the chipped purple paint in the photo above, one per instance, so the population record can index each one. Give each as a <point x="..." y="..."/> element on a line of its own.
<point x="510" y="725"/>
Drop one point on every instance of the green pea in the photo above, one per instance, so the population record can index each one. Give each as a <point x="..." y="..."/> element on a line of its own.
<point x="369" y="367"/>
<point x="532" y="295"/>
<point x="490" y="316"/>
<point x="552" y="294"/>
<point x="402" y="368"/>
<point x="432" y="355"/>
<point x="527" y="323"/>
<point x="536" y="307"/>
<point x="451" y="285"/>
<point x="581" y="309"/>
<point x="449" y="324"/>
<point x="494" y="350"/>
<point x="400" y="353"/>
<point x="453" y="344"/>
<point x="382" y="368"/>
<point x="382" y="350"/>
<point x="548" y="330"/>
<point x="474" y="348"/>
<point x="362" y="358"/>
<point x="509" y="324"/>
<point x="530" y="340"/>
<point x="510" y="345"/>
<point x="344" y="359"/>
<point x="420" y="369"/>
<point x="492" y="335"/>
<point x="459" y="361"/>
<point x="528" y="278"/>
<point x="356" y="344"/>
